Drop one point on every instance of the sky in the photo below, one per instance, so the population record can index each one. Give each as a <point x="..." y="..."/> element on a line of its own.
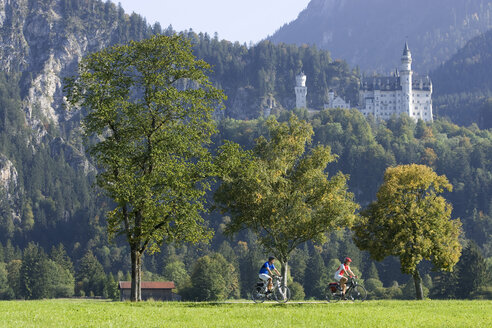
<point x="234" y="20"/>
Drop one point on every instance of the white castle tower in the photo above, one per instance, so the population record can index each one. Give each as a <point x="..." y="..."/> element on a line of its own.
<point x="406" y="80"/>
<point x="301" y="91"/>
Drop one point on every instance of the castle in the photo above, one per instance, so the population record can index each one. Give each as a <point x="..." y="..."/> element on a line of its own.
<point x="383" y="97"/>
<point x="335" y="102"/>
<point x="301" y="93"/>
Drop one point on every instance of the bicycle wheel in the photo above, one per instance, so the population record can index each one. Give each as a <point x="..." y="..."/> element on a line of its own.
<point x="333" y="297"/>
<point x="358" y="294"/>
<point x="257" y="296"/>
<point x="282" y="294"/>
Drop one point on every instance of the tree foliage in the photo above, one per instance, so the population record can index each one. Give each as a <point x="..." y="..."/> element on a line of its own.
<point x="90" y="276"/>
<point x="409" y="220"/>
<point x="281" y="192"/>
<point x="213" y="279"/>
<point x="149" y="107"/>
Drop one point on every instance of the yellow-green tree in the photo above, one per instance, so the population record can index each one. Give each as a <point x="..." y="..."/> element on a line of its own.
<point x="281" y="191"/>
<point x="411" y="221"/>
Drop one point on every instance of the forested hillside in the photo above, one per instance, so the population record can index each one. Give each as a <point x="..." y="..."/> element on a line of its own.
<point x="365" y="150"/>
<point x="463" y="84"/>
<point x="46" y="176"/>
<point x="45" y="171"/>
<point x="371" y="33"/>
<point x="46" y="193"/>
<point x="263" y="76"/>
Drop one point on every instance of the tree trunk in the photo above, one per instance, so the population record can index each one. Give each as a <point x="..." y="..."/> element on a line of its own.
<point x="285" y="265"/>
<point x="418" y="285"/>
<point x="136" y="291"/>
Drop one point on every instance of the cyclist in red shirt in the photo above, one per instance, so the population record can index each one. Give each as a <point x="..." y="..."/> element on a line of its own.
<point x="344" y="267"/>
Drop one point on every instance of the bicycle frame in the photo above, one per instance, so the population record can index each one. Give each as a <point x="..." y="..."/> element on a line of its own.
<point x="280" y="292"/>
<point x="354" y="291"/>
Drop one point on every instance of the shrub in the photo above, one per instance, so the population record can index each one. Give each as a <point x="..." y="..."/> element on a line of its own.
<point x="212" y="279"/>
<point x="297" y="291"/>
<point x="408" y="291"/>
<point x="372" y="284"/>
<point x="483" y="293"/>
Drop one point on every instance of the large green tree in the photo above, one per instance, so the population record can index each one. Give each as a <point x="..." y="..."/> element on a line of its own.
<point x="149" y="120"/>
<point x="281" y="192"/>
<point x="411" y="221"/>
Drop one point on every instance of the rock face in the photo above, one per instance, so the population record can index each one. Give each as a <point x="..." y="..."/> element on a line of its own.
<point x="8" y="174"/>
<point x="371" y="33"/>
<point x="43" y="41"/>
<point x="9" y="189"/>
<point x="38" y="39"/>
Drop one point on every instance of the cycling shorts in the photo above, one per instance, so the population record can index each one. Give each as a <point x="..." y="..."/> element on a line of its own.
<point x="338" y="277"/>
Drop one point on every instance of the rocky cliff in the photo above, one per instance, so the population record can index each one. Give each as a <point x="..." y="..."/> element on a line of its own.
<point x="41" y="43"/>
<point x="43" y="40"/>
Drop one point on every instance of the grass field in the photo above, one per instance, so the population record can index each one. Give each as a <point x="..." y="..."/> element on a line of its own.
<point x="89" y="313"/>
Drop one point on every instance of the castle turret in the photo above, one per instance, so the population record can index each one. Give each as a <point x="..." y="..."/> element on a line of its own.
<point x="331" y="98"/>
<point x="406" y="80"/>
<point x="301" y="91"/>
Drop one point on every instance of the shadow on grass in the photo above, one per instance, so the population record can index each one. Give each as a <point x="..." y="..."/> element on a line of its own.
<point x="233" y="304"/>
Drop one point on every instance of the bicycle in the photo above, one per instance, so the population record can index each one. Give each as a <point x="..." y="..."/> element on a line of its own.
<point x="354" y="291"/>
<point x="280" y="292"/>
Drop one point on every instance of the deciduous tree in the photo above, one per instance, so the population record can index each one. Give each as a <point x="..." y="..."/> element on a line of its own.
<point x="411" y="221"/>
<point x="281" y="192"/>
<point x="213" y="278"/>
<point x="149" y="119"/>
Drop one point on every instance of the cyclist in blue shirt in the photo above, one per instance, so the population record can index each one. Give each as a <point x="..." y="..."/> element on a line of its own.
<point x="266" y="272"/>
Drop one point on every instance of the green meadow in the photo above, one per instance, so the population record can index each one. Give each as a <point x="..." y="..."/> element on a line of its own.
<point x="90" y="313"/>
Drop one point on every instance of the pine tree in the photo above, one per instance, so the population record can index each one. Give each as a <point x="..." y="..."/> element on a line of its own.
<point x="373" y="272"/>
<point x="472" y="271"/>
<point x="60" y="256"/>
<point x="91" y="275"/>
<point x="315" y="276"/>
<point x="112" y="288"/>
<point x="34" y="280"/>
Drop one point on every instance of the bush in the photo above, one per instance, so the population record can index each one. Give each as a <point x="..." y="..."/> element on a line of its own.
<point x="212" y="279"/>
<point x="408" y="291"/>
<point x="372" y="284"/>
<point x="483" y="293"/>
<point x="4" y="286"/>
<point x="176" y="271"/>
<point x="297" y="291"/>
<point x="393" y="292"/>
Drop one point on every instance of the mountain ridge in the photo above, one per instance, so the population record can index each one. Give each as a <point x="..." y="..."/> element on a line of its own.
<point x="370" y="34"/>
<point x="463" y="84"/>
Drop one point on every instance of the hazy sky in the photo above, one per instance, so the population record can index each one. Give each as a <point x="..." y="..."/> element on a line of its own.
<point x="234" y="20"/>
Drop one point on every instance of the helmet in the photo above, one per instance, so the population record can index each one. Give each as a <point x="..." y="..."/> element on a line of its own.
<point x="271" y="258"/>
<point x="347" y="259"/>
